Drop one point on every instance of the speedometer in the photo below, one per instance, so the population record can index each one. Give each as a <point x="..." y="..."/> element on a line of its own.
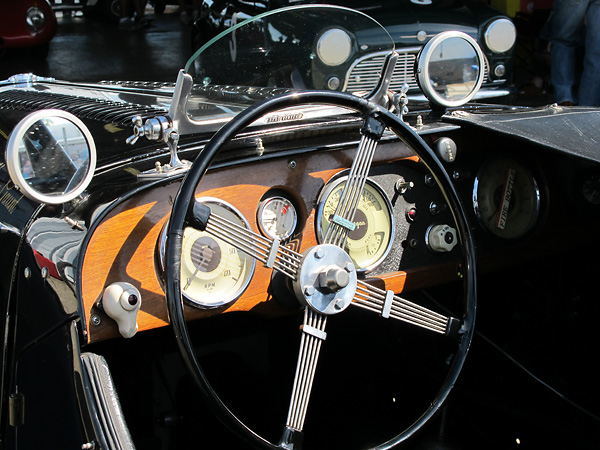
<point x="371" y="240"/>
<point x="213" y="272"/>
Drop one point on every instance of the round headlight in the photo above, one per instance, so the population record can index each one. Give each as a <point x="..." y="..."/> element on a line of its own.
<point x="35" y="18"/>
<point x="334" y="47"/>
<point x="500" y="35"/>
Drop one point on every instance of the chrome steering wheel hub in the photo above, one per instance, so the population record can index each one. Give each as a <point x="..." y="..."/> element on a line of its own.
<point x="326" y="280"/>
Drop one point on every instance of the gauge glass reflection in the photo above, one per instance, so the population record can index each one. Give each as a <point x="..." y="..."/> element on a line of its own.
<point x="277" y="217"/>
<point x="506" y="198"/>
<point x="213" y="272"/>
<point x="371" y="240"/>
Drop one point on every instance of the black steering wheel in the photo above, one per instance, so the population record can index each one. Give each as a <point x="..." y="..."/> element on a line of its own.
<point x="341" y="282"/>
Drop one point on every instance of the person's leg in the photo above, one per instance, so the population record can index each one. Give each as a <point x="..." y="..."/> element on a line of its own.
<point x="589" y="88"/>
<point x="567" y="32"/>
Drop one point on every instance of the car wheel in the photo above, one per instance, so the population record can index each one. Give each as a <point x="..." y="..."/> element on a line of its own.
<point x="112" y="10"/>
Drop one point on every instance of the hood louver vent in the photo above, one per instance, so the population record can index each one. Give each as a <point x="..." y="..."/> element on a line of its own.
<point x="84" y="108"/>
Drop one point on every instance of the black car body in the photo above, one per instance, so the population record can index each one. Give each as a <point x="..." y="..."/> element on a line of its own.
<point x="410" y="24"/>
<point x="457" y="211"/>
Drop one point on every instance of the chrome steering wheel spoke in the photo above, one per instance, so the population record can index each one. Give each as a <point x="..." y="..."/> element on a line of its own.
<point x="313" y="335"/>
<point x="270" y="252"/>
<point x="341" y="223"/>
<point x="389" y="305"/>
<point x="315" y="318"/>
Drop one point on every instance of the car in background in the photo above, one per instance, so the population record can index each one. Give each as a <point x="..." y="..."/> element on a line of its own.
<point x="410" y="23"/>
<point x="27" y="24"/>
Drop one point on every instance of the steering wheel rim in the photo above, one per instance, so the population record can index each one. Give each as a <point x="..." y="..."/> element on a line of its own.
<point x="183" y="204"/>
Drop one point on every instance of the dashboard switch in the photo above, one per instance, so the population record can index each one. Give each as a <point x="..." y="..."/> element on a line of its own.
<point x="446" y="149"/>
<point x="441" y="238"/>
<point x="121" y="302"/>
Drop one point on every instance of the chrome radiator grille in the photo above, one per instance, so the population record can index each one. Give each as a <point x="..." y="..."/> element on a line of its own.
<point x="365" y="72"/>
<point x="102" y="110"/>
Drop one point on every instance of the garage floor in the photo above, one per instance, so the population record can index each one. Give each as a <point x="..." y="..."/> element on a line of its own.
<point x="91" y="49"/>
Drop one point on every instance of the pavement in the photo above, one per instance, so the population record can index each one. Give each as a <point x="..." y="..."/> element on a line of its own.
<point x="90" y="48"/>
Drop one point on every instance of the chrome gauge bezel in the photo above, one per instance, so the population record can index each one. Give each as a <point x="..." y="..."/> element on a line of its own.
<point x="260" y="220"/>
<point x="15" y="169"/>
<point x="231" y="297"/>
<point x="328" y="190"/>
<point x="526" y="185"/>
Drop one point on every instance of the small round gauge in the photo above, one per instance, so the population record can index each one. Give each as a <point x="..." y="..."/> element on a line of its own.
<point x="213" y="272"/>
<point x="277" y="217"/>
<point x="506" y="198"/>
<point x="371" y="240"/>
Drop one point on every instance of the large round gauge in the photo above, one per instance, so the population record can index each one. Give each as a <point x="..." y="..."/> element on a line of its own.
<point x="277" y="217"/>
<point x="371" y="240"/>
<point x="506" y="198"/>
<point x="213" y="272"/>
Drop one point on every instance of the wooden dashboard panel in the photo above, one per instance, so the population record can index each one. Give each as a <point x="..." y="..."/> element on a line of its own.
<point x="123" y="246"/>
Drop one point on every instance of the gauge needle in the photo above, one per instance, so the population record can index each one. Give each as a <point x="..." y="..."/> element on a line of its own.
<point x="200" y="263"/>
<point x="506" y="196"/>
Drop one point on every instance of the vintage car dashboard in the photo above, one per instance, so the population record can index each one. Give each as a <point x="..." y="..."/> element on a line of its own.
<point x="404" y="240"/>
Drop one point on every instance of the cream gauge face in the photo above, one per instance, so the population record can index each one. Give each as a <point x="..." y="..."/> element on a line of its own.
<point x="371" y="240"/>
<point x="213" y="272"/>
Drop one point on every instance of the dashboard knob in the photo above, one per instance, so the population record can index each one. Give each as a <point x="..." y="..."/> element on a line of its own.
<point x="446" y="149"/>
<point x="121" y="302"/>
<point x="441" y="238"/>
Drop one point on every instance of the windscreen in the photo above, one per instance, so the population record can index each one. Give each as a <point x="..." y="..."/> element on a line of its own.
<point x="301" y="47"/>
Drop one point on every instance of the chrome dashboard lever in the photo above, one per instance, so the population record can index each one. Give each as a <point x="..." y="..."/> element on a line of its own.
<point x="159" y="128"/>
<point x="400" y="101"/>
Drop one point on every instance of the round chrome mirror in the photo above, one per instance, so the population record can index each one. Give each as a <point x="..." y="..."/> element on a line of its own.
<point x="450" y="69"/>
<point x="51" y="156"/>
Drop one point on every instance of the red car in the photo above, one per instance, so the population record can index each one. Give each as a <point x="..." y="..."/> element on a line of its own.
<point x="27" y="23"/>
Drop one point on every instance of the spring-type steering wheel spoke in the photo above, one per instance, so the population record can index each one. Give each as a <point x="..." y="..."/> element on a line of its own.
<point x="313" y="335"/>
<point x="313" y="329"/>
<point x="270" y="252"/>
<point x="341" y="223"/>
<point x="392" y="306"/>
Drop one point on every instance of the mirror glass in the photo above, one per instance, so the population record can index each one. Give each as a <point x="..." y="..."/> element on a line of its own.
<point x="453" y="68"/>
<point x="51" y="156"/>
<point x="450" y="69"/>
<point x="54" y="156"/>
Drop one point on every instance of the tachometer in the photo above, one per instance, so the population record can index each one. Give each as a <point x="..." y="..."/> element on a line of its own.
<point x="506" y="198"/>
<point x="213" y="272"/>
<point x="371" y="240"/>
